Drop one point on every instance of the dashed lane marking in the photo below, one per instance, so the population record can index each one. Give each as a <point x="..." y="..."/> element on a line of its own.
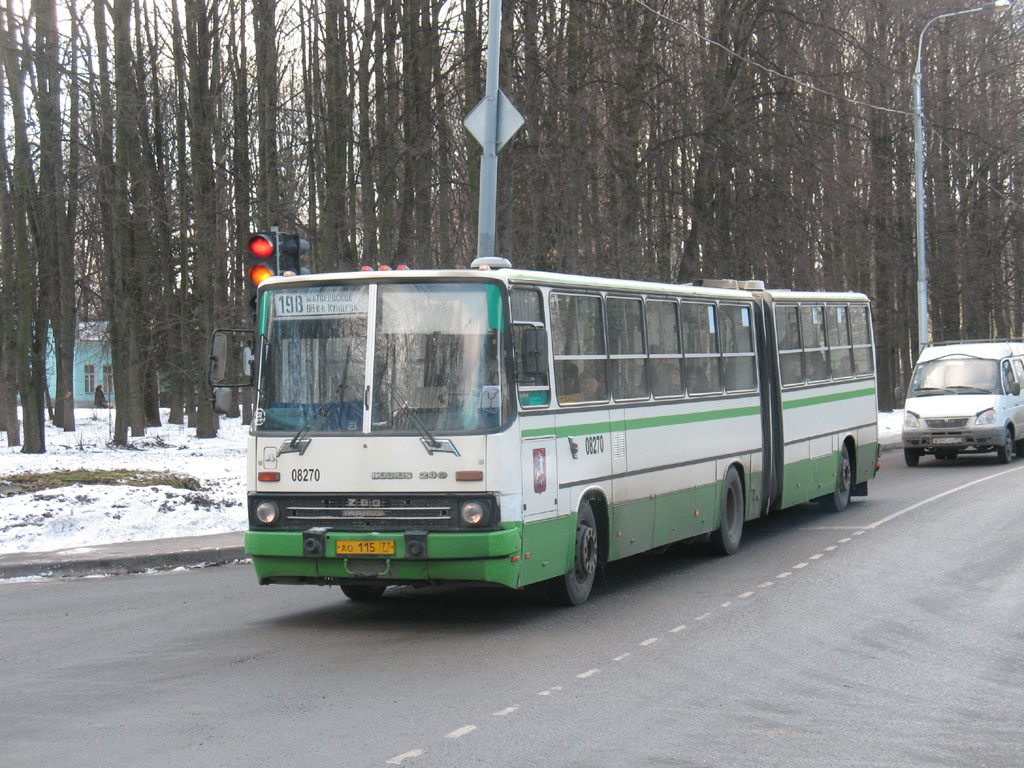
<point x="816" y="557"/>
<point x="398" y="759"/>
<point x="745" y="595"/>
<point x="800" y="565"/>
<point x="458" y="733"/>
<point x="588" y="673"/>
<point x="784" y="575"/>
<point x="620" y="658"/>
<point x="505" y="711"/>
<point x="649" y="641"/>
<point x="680" y="628"/>
<point x="765" y="584"/>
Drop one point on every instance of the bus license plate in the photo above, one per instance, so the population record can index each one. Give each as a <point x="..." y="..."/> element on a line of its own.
<point x="368" y="548"/>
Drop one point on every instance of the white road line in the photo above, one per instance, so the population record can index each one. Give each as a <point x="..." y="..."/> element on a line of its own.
<point x="726" y="605"/>
<point x="458" y="733"/>
<point x="938" y="496"/>
<point x="844" y="541"/>
<point x="680" y="628"/>
<point x="858" y="533"/>
<point x="649" y="641"/>
<point x="588" y="673"/>
<point x="544" y="693"/>
<point x="505" y="711"/>
<point x="815" y="557"/>
<point x="784" y="575"/>
<point x="397" y="759"/>
<point x="702" y="617"/>
<point x="833" y="547"/>
<point x="800" y="565"/>
<point x="765" y="585"/>
<point x="620" y="658"/>
<point x="745" y="595"/>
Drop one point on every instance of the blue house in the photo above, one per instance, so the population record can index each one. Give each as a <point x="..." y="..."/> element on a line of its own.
<point x="93" y="366"/>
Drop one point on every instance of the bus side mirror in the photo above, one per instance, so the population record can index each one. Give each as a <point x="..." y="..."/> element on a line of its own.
<point x="222" y="400"/>
<point x="535" y="353"/>
<point x="231" y="358"/>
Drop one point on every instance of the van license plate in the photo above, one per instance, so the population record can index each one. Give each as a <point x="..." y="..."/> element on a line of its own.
<point x="945" y="440"/>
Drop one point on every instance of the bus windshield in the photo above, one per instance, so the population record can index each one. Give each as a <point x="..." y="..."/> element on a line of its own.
<point x="955" y="375"/>
<point x="436" y="359"/>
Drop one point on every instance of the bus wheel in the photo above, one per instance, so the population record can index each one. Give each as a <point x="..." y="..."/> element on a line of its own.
<point x="840" y="497"/>
<point x="573" y="587"/>
<point x="1005" y="451"/>
<point x="726" y="540"/>
<point x="363" y="592"/>
<point x="912" y="456"/>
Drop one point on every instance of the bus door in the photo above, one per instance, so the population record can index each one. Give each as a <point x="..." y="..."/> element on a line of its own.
<point x="771" y="402"/>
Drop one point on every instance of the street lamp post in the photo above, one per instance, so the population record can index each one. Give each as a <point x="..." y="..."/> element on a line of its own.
<point x="922" y="271"/>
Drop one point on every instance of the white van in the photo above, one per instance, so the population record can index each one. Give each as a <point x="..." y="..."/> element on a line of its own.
<point x="965" y="396"/>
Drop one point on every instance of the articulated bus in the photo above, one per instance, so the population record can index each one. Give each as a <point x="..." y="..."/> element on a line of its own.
<point x="511" y="427"/>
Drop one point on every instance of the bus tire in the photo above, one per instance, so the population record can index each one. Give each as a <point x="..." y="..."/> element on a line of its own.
<point x="1005" y="451"/>
<point x="912" y="456"/>
<point x="363" y="593"/>
<point x="838" y="500"/>
<point x="573" y="587"/>
<point x="726" y="540"/>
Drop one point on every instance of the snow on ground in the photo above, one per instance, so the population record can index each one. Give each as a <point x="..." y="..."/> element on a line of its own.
<point x="87" y="515"/>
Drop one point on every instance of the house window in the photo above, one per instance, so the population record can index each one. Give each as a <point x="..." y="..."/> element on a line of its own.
<point x="90" y="378"/>
<point x="108" y="379"/>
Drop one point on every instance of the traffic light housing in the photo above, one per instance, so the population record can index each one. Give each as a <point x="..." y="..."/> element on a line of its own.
<point x="263" y="258"/>
<point x="290" y="249"/>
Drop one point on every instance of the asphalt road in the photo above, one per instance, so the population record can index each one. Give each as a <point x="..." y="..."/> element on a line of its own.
<point x="888" y="635"/>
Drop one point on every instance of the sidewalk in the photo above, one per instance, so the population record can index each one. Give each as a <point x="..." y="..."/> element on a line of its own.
<point x="126" y="557"/>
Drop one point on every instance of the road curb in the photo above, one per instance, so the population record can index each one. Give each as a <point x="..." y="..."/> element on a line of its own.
<point x="119" y="559"/>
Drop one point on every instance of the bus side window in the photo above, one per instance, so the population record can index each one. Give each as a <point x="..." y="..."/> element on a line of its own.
<point x="860" y="335"/>
<point x="787" y="329"/>
<point x="530" y="346"/>
<point x="700" y="343"/>
<point x="665" y="348"/>
<point x="738" y="348"/>
<point x="839" y="351"/>
<point x="578" y="346"/>
<point x="627" y="349"/>
<point x="812" y="333"/>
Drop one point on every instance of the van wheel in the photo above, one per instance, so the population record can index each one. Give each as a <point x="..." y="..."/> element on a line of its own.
<point x="726" y="540"/>
<point x="840" y="497"/>
<point x="912" y="456"/>
<point x="573" y="588"/>
<point x="1005" y="451"/>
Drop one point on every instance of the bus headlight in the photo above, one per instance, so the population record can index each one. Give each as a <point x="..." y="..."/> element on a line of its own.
<point x="267" y="512"/>
<point x="472" y="512"/>
<point x="910" y="420"/>
<point x="985" y="417"/>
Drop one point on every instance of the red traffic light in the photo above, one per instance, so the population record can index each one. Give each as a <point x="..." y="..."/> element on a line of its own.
<point x="261" y="247"/>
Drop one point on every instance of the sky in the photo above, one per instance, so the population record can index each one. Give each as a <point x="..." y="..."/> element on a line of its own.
<point x="87" y="515"/>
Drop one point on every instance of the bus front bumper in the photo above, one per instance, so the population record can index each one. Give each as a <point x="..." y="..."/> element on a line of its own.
<point x="312" y="557"/>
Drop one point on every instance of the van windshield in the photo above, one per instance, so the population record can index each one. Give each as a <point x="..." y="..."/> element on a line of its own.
<point x="956" y="375"/>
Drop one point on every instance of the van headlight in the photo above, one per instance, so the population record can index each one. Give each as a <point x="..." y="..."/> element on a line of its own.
<point x="910" y="420"/>
<point x="985" y="417"/>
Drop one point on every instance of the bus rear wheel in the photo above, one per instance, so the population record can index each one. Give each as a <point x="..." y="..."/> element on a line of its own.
<point x="573" y="587"/>
<point x="726" y="540"/>
<point x="838" y="500"/>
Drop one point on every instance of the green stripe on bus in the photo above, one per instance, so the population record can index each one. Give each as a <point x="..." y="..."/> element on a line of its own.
<point x="819" y="399"/>
<point x="574" y="430"/>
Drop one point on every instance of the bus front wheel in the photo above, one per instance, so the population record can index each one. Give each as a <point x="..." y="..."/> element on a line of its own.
<point x="573" y="587"/>
<point x="726" y="540"/>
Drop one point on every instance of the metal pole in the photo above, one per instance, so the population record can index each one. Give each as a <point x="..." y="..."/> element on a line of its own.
<point x="489" y="158"/>
<point x="922" y="269"/>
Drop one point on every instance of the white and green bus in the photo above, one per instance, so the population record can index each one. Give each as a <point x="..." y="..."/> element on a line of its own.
<point x="510" y="427"/>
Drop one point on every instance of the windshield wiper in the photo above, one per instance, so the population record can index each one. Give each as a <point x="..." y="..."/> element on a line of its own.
<point x="300" y="442"/>
<point x="927" y="391"/>
<point x="431" y="443"/>
<point x="971" y="390"/>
